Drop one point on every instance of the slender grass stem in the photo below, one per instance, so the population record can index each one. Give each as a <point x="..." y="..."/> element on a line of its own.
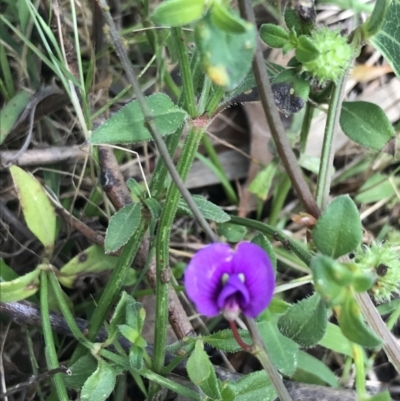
<point x="328" y="150"/>
<point x="50" y="350"/>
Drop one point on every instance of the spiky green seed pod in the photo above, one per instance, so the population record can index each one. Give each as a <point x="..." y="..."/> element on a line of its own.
<point x="334" y="56"/>
<point x="383" y="258"/>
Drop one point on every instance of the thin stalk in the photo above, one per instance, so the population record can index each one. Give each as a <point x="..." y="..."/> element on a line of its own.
<point x="305" y="128"/>
<point x="275" y="124"/>
<point x="358" y="357"/>
<point x="215" y="100"/>
<point x="162" y="247"/>
<point x="69" y="318"/>
<point x="260" y="351"/>
<point x="50" y="350"/>
<point x="186" y="73"/>
<point x="279" y="200"/>
<point x="212" y="154"/>
<point x="328" y="150"/>
<point x="374" y="319"/>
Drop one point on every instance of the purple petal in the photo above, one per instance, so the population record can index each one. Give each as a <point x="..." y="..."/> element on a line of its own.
<point x="253" y="262"/>
<point x="203" y="276"/>
<point x="236" y="288"/>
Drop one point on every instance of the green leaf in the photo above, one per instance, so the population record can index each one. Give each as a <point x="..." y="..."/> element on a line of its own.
<point x="261" y="184"/>
<point x="376" y="20"/>
<point x="336" y="341"/>
<point x="338" y="231"/>
<point x="312" y="370"/>
<point x="122" y="226"/>
<point x="227" y="21"/>
<point x="100" y="384"/>
<point x="295" y="23"/>
<point x="118" y="316"/>
<point x="182" y="347"/>
<point x="127" y="124"/>
<point x="201" y="372"/>
<point x="376" y="188"/>
<point x="208" y="209"/>
<point x="254" y="386"/>
<point x="154" y="207"/>
<point x="305" y="322"/>
<point x="262" y="241"/>
<point x="135" y="314"/>
<point x="178" y="12"/>
<point x="20" y="288"/>
<point x="88" y="262"/>
<point x="6" y="273"/>
<point x="274" y="35"/>
<point x="353" y="326"/>
<point x="136" y="357"/>
<point x="36" y="206"/>
<point x="387" y="41"/>
<point x="225" y="341"/>
<point x="326" y="274"/>
<point x="129" y="333"/>
<point x="232" y="232"/>
<point x="11" y="111"/>
<point x="80" y="371"/>
<point x="366" y="124"/>
<point x="282" y="350"/>
<point x="306" y="50"/>
<point x="226" y="57"/>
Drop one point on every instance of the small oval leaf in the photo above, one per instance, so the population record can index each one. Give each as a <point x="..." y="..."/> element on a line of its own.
<point x="20" y="288"/>
<point x="224" y="19"/>
<point x="353" y="326"/>
<point x="127" y="125"/>
<point x="90" y="261"/>
<point x="208" y="209"/>
<point x="305" y="322"/>
<point x="38" y="211"/>
<point x="201" y="372"/>
<point x="100" y="384"/>
<point x="178" y="12"/>
<point x="122" y="226"/>
<point x="366" y="124"/>
<point x="274" y="35"/>
<point x="338" y="231"/>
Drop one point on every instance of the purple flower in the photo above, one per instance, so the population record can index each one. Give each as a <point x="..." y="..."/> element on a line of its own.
<point x="219" y="278"/>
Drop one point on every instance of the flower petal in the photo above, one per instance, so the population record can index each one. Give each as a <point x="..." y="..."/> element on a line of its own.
<point x="203" y="276"/>
<point x="236" y="288"/>
<point x="253" y="262"/>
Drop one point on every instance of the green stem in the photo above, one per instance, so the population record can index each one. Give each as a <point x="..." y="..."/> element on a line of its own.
<point x="328" y="150"/>
<point x="260" y="351"/>
<point x="305" y="128"/>
<point x="267" y="229"/>
<point x="50" y="350"/>
<point x="279" y="200"/>
<point x="358" y="357"/>
<point x="229" y="191"/>
<point x="162" y="247"/>
<point x="215" y="100"/>
<point x="69" y="318"/>
<point x="186" y="73"/>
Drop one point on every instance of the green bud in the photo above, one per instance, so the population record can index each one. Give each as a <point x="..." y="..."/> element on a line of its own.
<point x="383" y="260"/>
<point x="334" y="56"/>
